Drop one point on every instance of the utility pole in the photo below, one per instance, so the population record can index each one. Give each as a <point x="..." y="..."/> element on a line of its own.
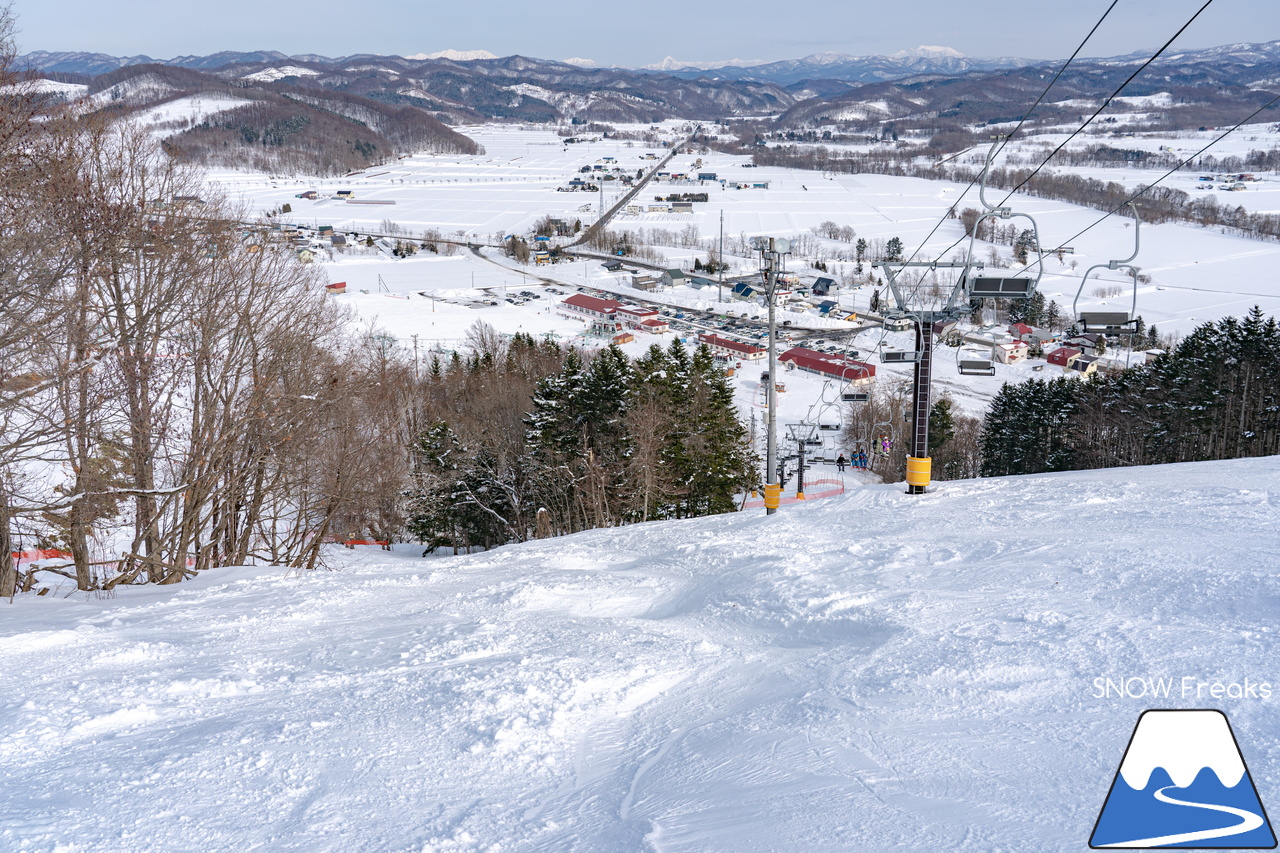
<point x="771" y="256"/>
<point x="720" y="258"/>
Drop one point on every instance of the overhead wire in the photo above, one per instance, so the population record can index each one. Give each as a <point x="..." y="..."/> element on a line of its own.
<point x="1106" y="103"/>
<point x="1021" y="121"/>
<point x="1181" y="165"/>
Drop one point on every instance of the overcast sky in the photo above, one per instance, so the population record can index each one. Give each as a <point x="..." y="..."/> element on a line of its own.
<point x="633" y="33"/>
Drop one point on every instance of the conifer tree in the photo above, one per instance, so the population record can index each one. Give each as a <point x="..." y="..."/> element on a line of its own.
<point x="717" y="448"/>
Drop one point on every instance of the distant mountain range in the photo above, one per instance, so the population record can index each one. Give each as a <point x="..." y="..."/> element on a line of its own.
<point x="925" y="87"/>
<point x="819" y="66"/>
<point x="830" y="66"/>
<point x="851" y="69"/>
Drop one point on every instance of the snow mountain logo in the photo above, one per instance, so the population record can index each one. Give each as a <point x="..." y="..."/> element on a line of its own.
<point x="1183" y="783"/>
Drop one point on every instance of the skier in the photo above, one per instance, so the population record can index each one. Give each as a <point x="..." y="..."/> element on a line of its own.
<point x="841" y="462"/>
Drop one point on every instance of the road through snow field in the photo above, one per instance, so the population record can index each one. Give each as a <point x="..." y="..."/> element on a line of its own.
<point x="871" y="671"/>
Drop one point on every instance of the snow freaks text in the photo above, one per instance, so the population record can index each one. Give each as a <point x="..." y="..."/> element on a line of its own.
<point x="1186" y="687"/>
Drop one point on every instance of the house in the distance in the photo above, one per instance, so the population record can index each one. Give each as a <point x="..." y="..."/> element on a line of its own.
<point x="1011" y="352"/>
<point x="1062" y="356"/>
<point x="1088" y="343"/>
<point x="1085" y="364"/>
<point x="1020" y="331"/>
<point x="633" y="316"/>
<point x="655" y="326"/>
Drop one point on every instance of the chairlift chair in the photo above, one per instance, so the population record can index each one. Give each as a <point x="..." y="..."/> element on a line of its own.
<point x="883" y="438"/>
<point x="1000" y="287"/>
<point x="994" y="287"/>
<point x="1115" y="323"/>
<point x="974" y="364"/>
<point x="976" y="367"/>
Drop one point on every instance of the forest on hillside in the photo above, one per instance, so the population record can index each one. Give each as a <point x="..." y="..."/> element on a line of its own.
<point x="1215" y="396"/>
<point x="286" y="126"/>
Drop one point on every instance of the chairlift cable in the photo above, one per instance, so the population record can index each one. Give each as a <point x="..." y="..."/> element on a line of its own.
<point x="1145" y="189"/>
<point x="1106" y="103"/>
<point x="1021" y="122"/>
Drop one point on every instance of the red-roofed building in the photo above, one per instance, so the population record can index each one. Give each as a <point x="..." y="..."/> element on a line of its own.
<point x="825" y="364"/>
<point x="655" y="326"/>
<point x="730" y="348"/>
<point x="1021" y="331"/>
<point x="1062" y="356"/>
<point x="590" y="307"/>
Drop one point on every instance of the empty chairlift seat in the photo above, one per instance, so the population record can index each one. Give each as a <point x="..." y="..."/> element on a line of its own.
<point x="991" y="287"/>
<point x="977" y="367"/>
<point x="1106" y="322"/>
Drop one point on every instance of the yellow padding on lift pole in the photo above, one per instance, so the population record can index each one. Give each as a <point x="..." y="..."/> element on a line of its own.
<point x="918" y="470"/>
<point x="772" y="495"/>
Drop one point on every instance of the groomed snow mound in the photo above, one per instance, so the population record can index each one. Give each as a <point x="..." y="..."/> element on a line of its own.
<point x="870" y="672"/>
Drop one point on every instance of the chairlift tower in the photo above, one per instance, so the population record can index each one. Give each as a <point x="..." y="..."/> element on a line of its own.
<point x="805" y="436"/>
<point x="771" y="253"/>
<point x="967" y="287"/>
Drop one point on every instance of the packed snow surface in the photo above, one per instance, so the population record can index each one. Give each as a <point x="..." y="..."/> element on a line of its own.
<point x="874" y="672"/>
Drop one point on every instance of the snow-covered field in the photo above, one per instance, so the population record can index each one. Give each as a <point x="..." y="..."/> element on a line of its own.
<point x="867" y="672"/>
<point x="1197" y="274"/>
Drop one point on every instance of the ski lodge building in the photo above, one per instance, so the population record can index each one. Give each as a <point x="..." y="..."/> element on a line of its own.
<point x="590" y="307"/>
<point x="824" y="364"/>
<point x="729" y="348"/>
<point x="608" y="315"/>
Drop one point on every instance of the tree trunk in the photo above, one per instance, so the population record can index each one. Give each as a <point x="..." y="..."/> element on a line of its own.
<point x="8" y="572"/>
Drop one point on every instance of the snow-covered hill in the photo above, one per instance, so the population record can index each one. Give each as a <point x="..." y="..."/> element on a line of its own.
<point x="868" y="672"/>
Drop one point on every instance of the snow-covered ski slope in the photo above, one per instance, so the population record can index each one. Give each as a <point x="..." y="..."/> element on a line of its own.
<point x="872" y="672"/>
